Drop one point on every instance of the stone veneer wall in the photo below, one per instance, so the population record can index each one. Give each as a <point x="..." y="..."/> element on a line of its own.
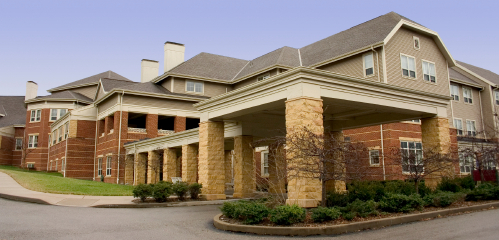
<point x="244" y="167"/>
<point x="211" y="160"/>
<point x="189" y="163"/>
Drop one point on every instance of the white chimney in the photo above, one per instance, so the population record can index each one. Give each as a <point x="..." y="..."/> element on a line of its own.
<point x="31" y="90"/>
<point x="149" y="70"/>
<point x="174" y="55"/>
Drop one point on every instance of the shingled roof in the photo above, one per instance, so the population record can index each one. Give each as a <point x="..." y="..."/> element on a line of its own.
<point x="110" y="84"/>
<point x="458" y="76"/>
<point x="13" y="109"/>
<point x="63" y="95"/>
<point x="92" y="79"/>
<point x="149" y="87"/>
<point x="484" y="73"/>
<point x="286" y="56"/>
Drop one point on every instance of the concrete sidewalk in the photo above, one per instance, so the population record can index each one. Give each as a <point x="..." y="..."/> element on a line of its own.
<point x="10" y="189"/>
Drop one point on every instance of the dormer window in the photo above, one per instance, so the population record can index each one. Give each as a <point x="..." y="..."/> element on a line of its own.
<point x="196" y="87"/>
<point x="408" y="65"/>
<point x="368" y="64"/>
<point x="263" y="77"/>
<point x="417" y="43"/>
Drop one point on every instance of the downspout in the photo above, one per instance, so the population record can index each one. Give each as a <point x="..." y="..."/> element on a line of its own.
<point x="66" y="152"/>
<point x="481" y="113"/>
<point x="96" y="136"/>
<point x="119" y="139"/>
<point x="377" y="62"/>
<point x="382" y="151"/>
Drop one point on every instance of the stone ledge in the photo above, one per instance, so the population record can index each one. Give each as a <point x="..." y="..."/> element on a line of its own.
<point x="343" y="228"/>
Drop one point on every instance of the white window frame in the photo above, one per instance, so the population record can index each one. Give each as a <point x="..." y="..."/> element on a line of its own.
<point x="496" y="97"/>
<point x="371" y="155"/>
<point x="263" y="77"/>
<point x="414" y="38"/>
<point x="423" y="62"/>
<point x="54" y="137"/>
<point x="466" y="163"/>
<point x="99" y="167"/>
<point x="409" y="150"/>
<point x="58" y="113"/>
<point x="455" y="97"/>
<point x="456" y="126"/>
<point x="36" y="115"/>
<point x="33" y="141"/>
<point x="263" y="165"/>
<point x="409" y="71"/>
<point x="364" y="64"/>
<point x="470" y="132"/>
<point x="18" y="147"/>
<point x="468" y="100"/>
<point x="194" y="87"/>
<point x="59" y="134"/>
<point x="108" y="165"/>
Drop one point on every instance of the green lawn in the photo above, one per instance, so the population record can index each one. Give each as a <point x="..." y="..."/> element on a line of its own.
<point x="56" y="183"/>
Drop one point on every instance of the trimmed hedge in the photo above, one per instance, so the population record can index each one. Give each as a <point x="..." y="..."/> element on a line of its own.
<point x="162" y="190"/>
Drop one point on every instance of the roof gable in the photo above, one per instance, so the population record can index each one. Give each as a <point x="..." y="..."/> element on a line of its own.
<point x="91" y="80"/>
<point x="483" y="73"/>
<point x="13" y="110"/>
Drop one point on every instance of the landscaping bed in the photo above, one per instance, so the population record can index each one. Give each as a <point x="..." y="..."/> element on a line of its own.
<point x="52" y="182"/>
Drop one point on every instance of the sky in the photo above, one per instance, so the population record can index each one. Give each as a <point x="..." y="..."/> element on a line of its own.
<point x="57" y="42"/>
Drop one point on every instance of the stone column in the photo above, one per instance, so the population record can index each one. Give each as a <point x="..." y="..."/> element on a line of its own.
<point x="211" y="160"/>
<point x="140" y="168"/>
<point x="435" y="135"/>
<point x="228" y="166"/>
<point x="244" y="167"/>
<point x="336" y="185"/>
<point x="189" y="163"/>
<point x="153" y="166"/>
<point x="304" y="189"/>
<point x="277" y="169"/>
<point x="169" y="164"/>
<point x="129" y="169"/>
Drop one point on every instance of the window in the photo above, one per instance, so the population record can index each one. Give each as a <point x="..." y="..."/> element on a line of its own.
<point x="66" y="130"/>
<point x="416" y="121"/>
<point x="429" y="72"/>
<point x="265" y="164"/>
<point x="468" y="98"/>
<point x="412" y="153"/>
<point x="35" y="115"/>
<point x="99" y="167"/>
<point x="408" y="66"/>
<point x="57" y="113"/>
<point x="374" y="157"/>
<point x="470" y="127"/>
<point x="458" y="123"/>
<point x="466" y="163"/>
<point x="196" y="87"/>
<point x="454" y="92"/>
<point x="368" y="64"/>
<point x="54" y="138"/>
<point x="33" y="141"/>
<point x="496" y="94"/>
<point x="59" y="133"/>
<point x="263" y="77"/>
<point x="489" y="160"/>
<point x="417" y="43"/>
<point x="19" y="144"/>
<point x="108" y="166"/>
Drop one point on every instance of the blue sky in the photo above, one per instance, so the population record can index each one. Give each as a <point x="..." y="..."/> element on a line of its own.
<point x="56" y="42"/>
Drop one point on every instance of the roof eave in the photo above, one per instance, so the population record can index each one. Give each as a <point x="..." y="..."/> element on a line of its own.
<point x="349" y="54"/>
<point x="71" y="87"/>
<point x="140" y="93"/>
<point x="466" y="83"/>
<point x="56" y="100"/>
<point x="476" y="75"/>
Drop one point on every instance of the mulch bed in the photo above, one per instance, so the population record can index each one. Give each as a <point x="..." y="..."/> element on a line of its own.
<point x="309" y="223"/>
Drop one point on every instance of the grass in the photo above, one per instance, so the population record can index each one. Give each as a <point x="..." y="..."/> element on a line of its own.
<point x="56" y="183"/>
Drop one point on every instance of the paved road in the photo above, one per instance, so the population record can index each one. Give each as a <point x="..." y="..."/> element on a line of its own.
<point x="20" y="220"/>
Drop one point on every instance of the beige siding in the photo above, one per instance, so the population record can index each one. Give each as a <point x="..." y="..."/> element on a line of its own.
<point x="167" y="84"/>
<point x="109" y="102"/>
<point x="402" y="42"/>
<point x="251" y="80"/>
<point x="466" y="111"/>
<point x="100" y="94"/>
<point x="158" y="102"/>
<point x="88" y="91"/>
<point x="211" y="89"/>
<point x="354" y="66"/>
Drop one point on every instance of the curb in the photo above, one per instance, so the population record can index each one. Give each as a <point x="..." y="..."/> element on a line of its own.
<point x="343" y="228"/>
<point x="157" y="205"/>
<point x="23" y="199"/>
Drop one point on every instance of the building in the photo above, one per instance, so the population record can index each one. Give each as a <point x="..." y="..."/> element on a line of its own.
<point x="388" y="82"/>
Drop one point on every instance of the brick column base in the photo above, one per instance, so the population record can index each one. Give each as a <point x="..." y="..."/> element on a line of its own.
<point x="244" y="167"/>
<point x="211" y="166"/>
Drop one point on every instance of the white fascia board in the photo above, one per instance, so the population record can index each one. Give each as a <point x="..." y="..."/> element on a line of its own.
<point x="194" y="99"/>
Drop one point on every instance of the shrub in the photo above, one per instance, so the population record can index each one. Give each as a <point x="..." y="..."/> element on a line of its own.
<point x="349" y="215"/>
<point x="287" y="215"/>
<point x="442" y="199"/>
<point x="401" y="203"/>
<point x="449" y="185"/>
<point x="405" y="187"/>
<point x="466" y="182"/>
<point x="195" y="190"/>
<point x="250" y="212"/>
<point x="366" y="190"/>
<point x="180" y="189"/>
<point x="161" y="191"/>
<point x="229" y="209"/>
<point x="335" y="199"/>
<point x="321" y="214"/>
<point x="142" y="191"/>
<point x="484" y="191"/>
<point x="361" y="208"/>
